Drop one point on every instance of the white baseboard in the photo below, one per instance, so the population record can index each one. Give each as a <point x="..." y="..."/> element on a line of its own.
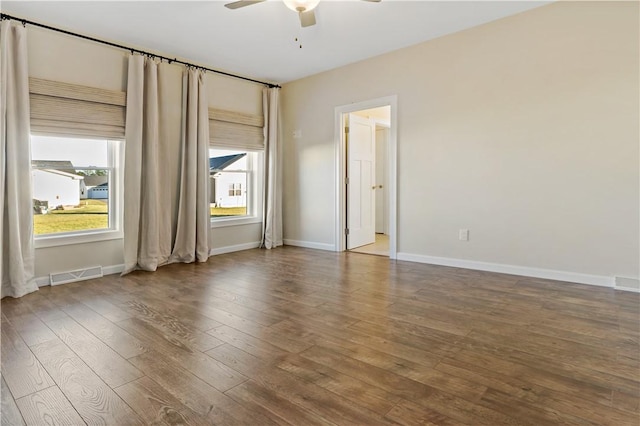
<point x="628" y="284"/>
<point x="43" y="281"/>
<point x="550" y="274"/>
<point x="231" y="249"/>
<point x="310" y="244"/>
<point x="113" y="269"/>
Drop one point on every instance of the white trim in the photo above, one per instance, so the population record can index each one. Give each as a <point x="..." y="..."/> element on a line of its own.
<point x="574" y="277"/>
<point x="43" y="281"/>
<point x="340" y="145"/>
<point x="237" y="221"/>
<point x="231" y="249"/>
<point x="113" y="269"/>
<point x="60" y="239"/>
<point x="310" y="244"/>
<point x="631" y="289"/>
<point x="627" y="284"/>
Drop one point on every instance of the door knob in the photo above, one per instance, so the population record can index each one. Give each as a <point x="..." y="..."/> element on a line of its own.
<point x="373" y="187"/>
<point x="380" y="186"/>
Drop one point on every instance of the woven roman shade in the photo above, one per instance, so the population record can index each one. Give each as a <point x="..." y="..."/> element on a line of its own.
<point x="72" y="110"/>
<point x="228" y="129"/>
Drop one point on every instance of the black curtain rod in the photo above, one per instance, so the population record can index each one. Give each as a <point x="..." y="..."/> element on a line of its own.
<point x="4" y="16"/>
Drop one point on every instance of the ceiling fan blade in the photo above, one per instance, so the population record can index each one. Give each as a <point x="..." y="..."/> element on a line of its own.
<point x="307" y="18"/>
<point x="241" y="3"/>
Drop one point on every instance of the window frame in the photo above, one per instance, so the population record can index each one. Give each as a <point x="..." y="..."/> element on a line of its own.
<point x="115" y="160"/>
<point x="255" y="179"/>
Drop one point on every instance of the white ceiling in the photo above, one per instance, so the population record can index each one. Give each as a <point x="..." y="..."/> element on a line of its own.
<point x="259" y="41"/>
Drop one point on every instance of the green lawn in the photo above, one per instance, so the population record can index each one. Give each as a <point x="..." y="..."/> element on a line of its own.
<point x="90" y="214"/>
<point x="93" y="214"/>
<point x="228" y="211"/>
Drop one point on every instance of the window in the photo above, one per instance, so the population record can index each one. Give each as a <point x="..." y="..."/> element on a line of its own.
<point x="75" y="186"/>
<point x="234" y="177"/>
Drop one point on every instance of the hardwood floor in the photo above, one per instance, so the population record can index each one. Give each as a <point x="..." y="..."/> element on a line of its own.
<point x="304" y="337"/>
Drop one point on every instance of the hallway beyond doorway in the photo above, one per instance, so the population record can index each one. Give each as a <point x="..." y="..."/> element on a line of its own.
<point x="379" y="248"/>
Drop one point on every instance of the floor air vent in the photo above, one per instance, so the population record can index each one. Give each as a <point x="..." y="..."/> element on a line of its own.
<point x="77" y="275"/>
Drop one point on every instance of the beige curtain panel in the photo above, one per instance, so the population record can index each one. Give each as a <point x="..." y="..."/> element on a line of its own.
<point x="166" y="172"/>
<point x="272" y="220"/>
<point x="16" y="214"/>
<point x="141" y="170"/>
<point x="193" y="230"/>
<point x="74" y="110"/>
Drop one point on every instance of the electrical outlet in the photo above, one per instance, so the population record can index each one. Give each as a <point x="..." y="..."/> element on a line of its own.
<point x="463" y="234"/>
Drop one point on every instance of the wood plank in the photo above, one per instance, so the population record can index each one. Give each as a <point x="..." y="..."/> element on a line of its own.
<point x="23" y="373"/>
<point x="155" y="405"/>
<point x="172" y="326"/>
<point x="194" y="393"/>
<point x="105" y="308"/>
<point x="116" y="338"/>
<point x="407" y="413"/>
<point x="247" y="343"/>
<point x="48" y="406"/>
<point x="442" y="402"/>
<point x="96" y="402"/>
<point x="44" y="309"/>
<point x="32" y="330"/>
<point x="172" y="305"/>
<point x="563" y="366"/>
<point x="209" y="370"/>
<point x="103" y="360"/>
<point x="315" y="399"/>
<point x="9" y="412"/>
<point x="277" y="408"/>
<point x="349" y="388"/>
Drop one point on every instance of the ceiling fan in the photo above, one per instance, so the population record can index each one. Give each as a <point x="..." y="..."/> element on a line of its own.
<point x="303" y="7"/>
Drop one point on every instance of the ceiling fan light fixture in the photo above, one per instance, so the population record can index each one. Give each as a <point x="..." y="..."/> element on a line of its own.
<point x="301" y="5"/>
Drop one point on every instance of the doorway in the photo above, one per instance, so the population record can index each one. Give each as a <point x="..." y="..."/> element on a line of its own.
<point x="366" y="213"/>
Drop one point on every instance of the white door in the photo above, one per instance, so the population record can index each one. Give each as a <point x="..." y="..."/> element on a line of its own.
<point x="361" y="159"/>
<point x="381" y="180"/>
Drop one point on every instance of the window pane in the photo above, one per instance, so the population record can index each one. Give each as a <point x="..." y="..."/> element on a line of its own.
<point x="228" y="173"/>
<point x="70" y="201"/>
<point x="228" y="197"/>
<point x="80" y="152"/>
<point x="70" y="178"/>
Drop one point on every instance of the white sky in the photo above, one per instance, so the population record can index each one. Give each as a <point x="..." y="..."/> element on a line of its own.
<point x="84" y="152"/>
<point x="81" y="152"/>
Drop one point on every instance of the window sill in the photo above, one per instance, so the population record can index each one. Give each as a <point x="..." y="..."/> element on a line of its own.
<point x="224" y="222"/>
<point x="80" y="238"/>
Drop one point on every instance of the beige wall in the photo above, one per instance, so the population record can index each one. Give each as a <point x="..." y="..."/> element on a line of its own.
<point x="58" y="57"/>
<point x="523" y="130"/>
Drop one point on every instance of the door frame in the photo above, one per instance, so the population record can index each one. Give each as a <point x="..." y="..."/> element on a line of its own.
<point x="341" y="193"/>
